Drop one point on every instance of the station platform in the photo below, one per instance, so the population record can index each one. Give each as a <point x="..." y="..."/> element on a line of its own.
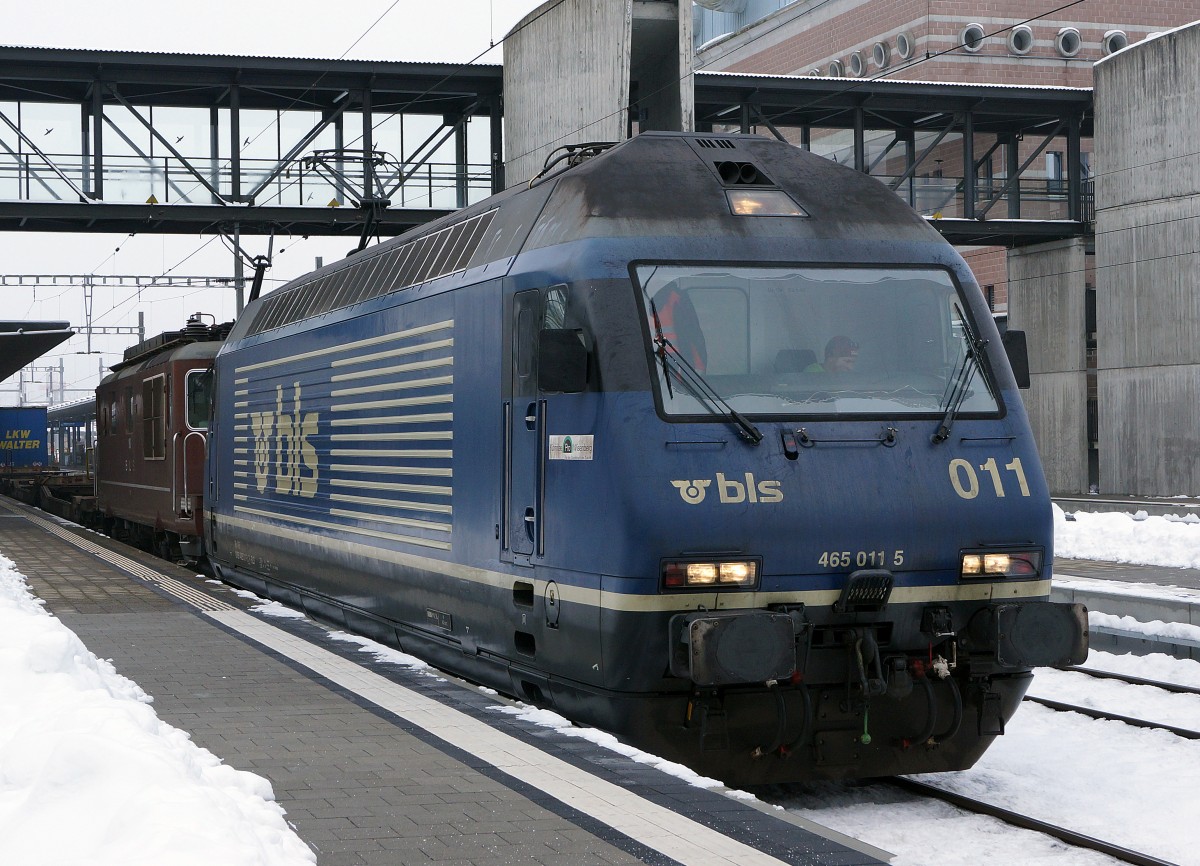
<point x="375" y="762"/>
<point x="1151" y="594"/>
<point x="1124" y="572"/>
<point x="1152" y="506"/>
<point x="1147" y="593"/>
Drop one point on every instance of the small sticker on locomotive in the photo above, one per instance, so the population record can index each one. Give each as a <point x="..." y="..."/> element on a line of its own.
<point x="571" y="447"/>
<point x="730" y="491"/>
<point x="439" y="619"/>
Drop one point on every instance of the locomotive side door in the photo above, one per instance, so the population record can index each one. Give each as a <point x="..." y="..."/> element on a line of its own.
<point x="525" y="420"/>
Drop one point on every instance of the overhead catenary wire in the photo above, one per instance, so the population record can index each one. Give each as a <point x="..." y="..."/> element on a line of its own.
<point x="202" y="246"/>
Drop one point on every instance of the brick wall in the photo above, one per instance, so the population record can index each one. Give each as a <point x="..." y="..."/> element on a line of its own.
<point x="806" y="36"/>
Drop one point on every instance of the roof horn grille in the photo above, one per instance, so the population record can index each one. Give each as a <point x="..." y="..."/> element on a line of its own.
<point x="741" y="173"/>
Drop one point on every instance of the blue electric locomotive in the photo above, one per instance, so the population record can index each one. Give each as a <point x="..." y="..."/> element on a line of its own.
<point x="699" y="438"/>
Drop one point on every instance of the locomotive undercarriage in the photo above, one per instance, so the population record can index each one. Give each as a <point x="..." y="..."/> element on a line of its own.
<point x="906" y="693"/>
<point x="163" y="543"/>
<point x="797" y="731"/>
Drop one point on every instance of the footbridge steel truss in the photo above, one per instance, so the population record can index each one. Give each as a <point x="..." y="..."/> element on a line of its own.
<point x="170" y="143"/>
<point x="1002" y="165"/>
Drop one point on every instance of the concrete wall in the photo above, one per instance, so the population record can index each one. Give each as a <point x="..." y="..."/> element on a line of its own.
<point x="1047" y="297"/>
<point x="1148" y="294"/>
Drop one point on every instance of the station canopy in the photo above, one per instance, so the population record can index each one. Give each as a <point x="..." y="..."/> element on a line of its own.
<point x="22" y="343"/>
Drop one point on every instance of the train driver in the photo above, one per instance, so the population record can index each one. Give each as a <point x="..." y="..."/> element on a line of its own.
<point x="681" y="326"/>
<point x="841" y="355"/>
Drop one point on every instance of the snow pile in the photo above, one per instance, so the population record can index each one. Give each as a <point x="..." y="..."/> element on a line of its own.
<point x="1155" y="628"/>
<point x="1136" y="539"/>
<point x="90" y="774"/>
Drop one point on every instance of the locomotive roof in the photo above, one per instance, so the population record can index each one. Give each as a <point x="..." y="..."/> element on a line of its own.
<point x="181" y="350"/>
<point x="672" y="184"/>
<point x="193" y="332"/>
<point x="655" y="184"/>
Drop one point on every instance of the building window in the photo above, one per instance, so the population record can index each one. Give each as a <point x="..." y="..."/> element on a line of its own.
<point x="1020" y="40"/>
<point x="1054" y="171"/>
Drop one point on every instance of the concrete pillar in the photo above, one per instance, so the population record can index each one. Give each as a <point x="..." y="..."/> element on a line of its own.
<point x="570" y="67"/>
<point x="1047" y="300"/>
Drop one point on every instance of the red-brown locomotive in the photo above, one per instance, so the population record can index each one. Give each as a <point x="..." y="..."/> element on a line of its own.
<point x="152" y="421"/>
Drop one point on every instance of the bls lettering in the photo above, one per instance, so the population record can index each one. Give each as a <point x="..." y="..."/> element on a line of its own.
<point x="729" y="491"/>
<point x="296" y="470"/>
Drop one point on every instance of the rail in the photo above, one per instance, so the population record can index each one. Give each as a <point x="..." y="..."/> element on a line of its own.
<point x="169" y="180"/>
<point x="1079" y="840"/>
<point x="1061" y="707"/>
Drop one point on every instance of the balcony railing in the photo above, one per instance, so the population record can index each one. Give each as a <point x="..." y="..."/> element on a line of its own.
<point x="168" y="180"/>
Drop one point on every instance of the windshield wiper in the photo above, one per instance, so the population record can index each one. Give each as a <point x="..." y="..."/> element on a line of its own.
<point x="661" y="341"/>
<point x="962" y="378"/>
<point x="694" y="382"/>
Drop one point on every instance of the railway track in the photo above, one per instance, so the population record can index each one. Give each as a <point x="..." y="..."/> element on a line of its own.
<point x="1062" y="706"/>
<point x="1132" y="680"/>
<point x="1016" y="819"/>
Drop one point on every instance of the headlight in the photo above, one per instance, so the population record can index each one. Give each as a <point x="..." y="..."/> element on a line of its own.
<point x="763" y="202"/>
<point x="730" y="574"/>
<point x="1009" y="563"/>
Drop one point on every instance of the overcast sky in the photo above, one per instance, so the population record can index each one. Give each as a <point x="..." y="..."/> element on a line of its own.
<point x="438" y="30"/>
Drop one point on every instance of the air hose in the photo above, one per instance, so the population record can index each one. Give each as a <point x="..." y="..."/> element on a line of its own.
<point x="781" y="714"/>
<point x="806" y="724"/>
<point x="930" y="721"/>
<point x="956" y="722"/>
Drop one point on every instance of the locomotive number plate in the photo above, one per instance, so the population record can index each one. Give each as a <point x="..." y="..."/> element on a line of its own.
<point x="861" y="559"/>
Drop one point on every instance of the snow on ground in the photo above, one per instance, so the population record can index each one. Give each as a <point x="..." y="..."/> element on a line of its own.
<point x="89" y="773"/>
<point x="1114" y="696"/>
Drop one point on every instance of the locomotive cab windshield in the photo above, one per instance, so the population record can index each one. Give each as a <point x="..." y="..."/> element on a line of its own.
<point x="786" y="342"/>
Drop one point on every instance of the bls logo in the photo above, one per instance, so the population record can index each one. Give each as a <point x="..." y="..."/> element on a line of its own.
<point x="730" y="492"/>
<point x="289" y="433"/>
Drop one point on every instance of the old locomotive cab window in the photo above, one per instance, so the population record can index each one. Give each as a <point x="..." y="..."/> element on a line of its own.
<point x="199" y="398"/>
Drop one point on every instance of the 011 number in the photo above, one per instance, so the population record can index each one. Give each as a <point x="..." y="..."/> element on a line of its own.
<point x="965" y="480"/>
